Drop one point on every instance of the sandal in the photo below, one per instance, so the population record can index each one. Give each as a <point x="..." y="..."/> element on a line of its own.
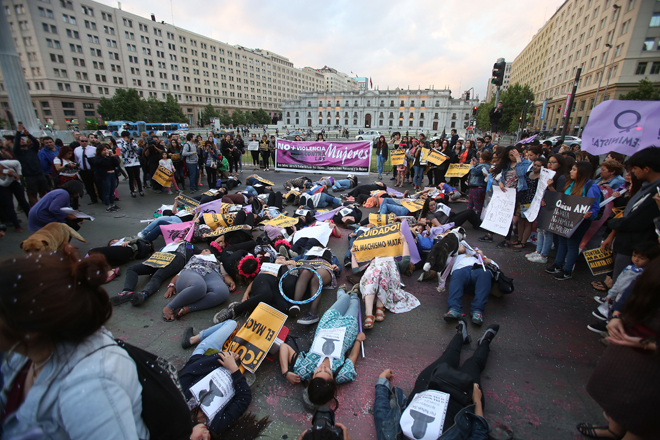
<point x="183" y="311"/>
<point x="599" y="286"/>
<point x="380" y="314"/>
<point x="368" y="322"/>
<point x="589" y="430"/>
<point x="167" y="317"/>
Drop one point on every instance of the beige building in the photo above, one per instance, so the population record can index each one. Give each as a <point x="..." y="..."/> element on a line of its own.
<point x="616" y="43"/>
<point x="75" y="52"/>
<point x="492" y="90"/>
<point x="336" y="81"/>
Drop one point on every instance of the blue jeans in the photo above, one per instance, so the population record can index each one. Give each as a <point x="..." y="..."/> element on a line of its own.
<point x="380" y="163"/>
<point x="193" y="175"/>
<point x="419" y="175"/>
<point x="327" y="199"/>
<point x="178" y="174"/>
<point x="346" y="305"/>
<point x="543" y="242"/>
<point x="251" y="191"/>
<point x="152" y="231"/>
<point x="391" y="205"/>
<point x="346" y="184"/>
<point x="569" y="248"/>
<point x="466" y="278"/>
<point x="108" y="184"/>
<point x="215" y="337"/>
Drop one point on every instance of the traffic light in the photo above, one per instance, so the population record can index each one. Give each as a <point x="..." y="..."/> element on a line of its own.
<point x="520" y="118"/>
<point x="467" y="95"/>
<point x="498" y="73"/>
<point x="559" y="109"/>
<point x="474" y="110"/>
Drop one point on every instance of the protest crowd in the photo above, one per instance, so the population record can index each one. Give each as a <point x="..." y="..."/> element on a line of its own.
<point x="66" y="376"/>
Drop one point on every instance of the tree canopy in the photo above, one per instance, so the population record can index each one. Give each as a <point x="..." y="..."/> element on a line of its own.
<point x="209" y="113"/>
<point x="127" y="105"/>
<point x="513" y="102"/>
<point x="646" y="91"/>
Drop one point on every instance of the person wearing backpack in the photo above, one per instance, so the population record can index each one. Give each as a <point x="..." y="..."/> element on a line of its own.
<point x="395" y="417"/>
<point x="65" y="377"/>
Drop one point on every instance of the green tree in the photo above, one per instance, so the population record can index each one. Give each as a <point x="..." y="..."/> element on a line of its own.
<point x="91" y="124"/>
<point x="237" y="118"/>
<point x="225" y="117"/>
<point x="513" y="102"/>
<point x="262" y="117"/>
<point x="250" y="118"/>
<point x="153" y="110"/>
<point x="209" y="113"/>
<point x="172" y="110"/>
<point x="646" y="91"/>
<point x="125" y="105"/>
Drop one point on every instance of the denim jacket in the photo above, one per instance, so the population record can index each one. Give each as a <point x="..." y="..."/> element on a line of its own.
<point x="477" y="177"/>
<point x="391" y="402"/>
<point x="85" y="390"/>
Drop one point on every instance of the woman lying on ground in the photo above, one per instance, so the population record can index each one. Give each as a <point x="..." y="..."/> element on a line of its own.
<point x="382" y="282"/>
<point x="324" y="378"/>
<point x="199" y="286"/>
<point x="224" y="423"/>
<point x="430" y="215"/>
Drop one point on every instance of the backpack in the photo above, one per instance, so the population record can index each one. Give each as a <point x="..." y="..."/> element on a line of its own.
<point x="587" y="187"/>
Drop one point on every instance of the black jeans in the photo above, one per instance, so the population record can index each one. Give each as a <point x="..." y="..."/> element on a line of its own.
<point x="157" y="275"/>
<point x="87" y="176"/>
<point x="275" y="199"/>
<point x="134" y="178"/>
<point x="7" y="194"/>
<point x="265" y="156"/>
<point x="211" y="176"/>
<point x="114" y="255"/>
<point x="468" y="215"/>
<point x="267" y="291"/>
<point x="255" y="158"/>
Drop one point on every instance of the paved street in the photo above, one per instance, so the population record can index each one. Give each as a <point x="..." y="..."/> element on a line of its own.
<point x="534" y="382"/>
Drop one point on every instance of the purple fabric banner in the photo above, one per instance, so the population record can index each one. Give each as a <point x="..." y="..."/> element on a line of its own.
<point x="622" y="126"/>
<point x="323" y="157"/>
<point x="175" y="231"/>
<point x="526" y="140"/>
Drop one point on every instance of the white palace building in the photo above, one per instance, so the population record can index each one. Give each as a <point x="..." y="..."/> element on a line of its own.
<point x="396" y="110"/>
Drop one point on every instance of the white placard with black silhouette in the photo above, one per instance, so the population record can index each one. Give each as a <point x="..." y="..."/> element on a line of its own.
<point x="424" y="417"/>
<point x="214" y="391"/>
<point x="328" y="343"/>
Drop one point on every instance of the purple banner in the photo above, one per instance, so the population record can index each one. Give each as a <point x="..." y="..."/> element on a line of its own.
<point x="323" y="157"/>
<point x="622" y="126"/>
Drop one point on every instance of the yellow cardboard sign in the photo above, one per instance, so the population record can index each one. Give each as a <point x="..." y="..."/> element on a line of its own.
<point x="215" y="221"/>
<point x="412" y="205"/>
<point x="458" y="170"/>
<point x="398" y="156"/>
<point x="436" y="158"/>
<point x="384" y="241"/>
<point x="221" y="231"/>
<point x="187" y="201"/>
<point x="160" y="259"/>
<point x="262" y="180"/>
<point x="381" y="219"/>
<point x="256" y="336"/>
<point x="163" y="176"/>
<point x="599" y="262"/>
<point x="282" y="221"/>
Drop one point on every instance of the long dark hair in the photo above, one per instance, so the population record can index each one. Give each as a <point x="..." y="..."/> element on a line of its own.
<point x="382" y="143"/>
<point x="584" y="173"/>
<point x="426" y="208"/>
<point x="644" y="302"/>
<point x="321" y="391"/>
<point x="504" y="161"/>
<point x="561" y="160"/>
<point x="63" y="152"/>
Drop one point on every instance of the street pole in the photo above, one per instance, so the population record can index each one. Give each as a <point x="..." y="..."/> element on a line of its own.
<point x="609" y="47"/>
<point x="617" y="11"/>
<point x="523" y="117"/>
<point x="570" y="106"/>
<point x="497" y="95"/>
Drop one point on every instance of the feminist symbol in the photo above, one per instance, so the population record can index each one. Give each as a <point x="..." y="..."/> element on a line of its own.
<point x="627" y="128"/>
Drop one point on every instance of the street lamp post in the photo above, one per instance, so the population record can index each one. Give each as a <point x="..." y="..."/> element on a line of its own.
<point x="617" y="11"/>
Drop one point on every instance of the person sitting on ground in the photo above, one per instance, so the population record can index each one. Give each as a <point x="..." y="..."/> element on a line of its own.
<point x="63" y="371"/>
<point x="224" y="423"/>
<point x="199" y="286"/>
<point x="49" y="208"/>
<point x="325" y="374"/>
<point x="463" y="414"/>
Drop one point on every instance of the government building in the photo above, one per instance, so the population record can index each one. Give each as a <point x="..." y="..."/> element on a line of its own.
<point x="402" y="110"/>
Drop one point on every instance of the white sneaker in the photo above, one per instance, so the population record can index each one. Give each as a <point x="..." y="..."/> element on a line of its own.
<point x="532" y="255"/>
<point x="538" y="259"/>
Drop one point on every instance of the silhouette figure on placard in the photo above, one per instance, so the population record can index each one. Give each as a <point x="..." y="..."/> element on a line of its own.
<point x="328" y="346"/>
<point x="421" y="422"/>
<point x="206" y="397"/>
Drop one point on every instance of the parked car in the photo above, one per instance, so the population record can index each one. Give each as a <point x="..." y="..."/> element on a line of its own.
<point x="371" y="135"/>
<point x="291" y="136"/>
<point x="568" y="140"/>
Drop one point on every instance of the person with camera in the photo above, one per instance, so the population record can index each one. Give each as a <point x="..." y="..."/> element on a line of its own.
<point x="325" y="373"/>
<point x="442" y="387"/>
<point x="211" y="164"/>
<point x="324" y="427"/>
<point x="129" y="153"/>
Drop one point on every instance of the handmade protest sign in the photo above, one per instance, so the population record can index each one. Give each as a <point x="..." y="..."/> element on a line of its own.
<point x="398" y="156"/>
<point x="210" y="192"/>
<point x="500" y="210"/>
<point x="599" y="262"/>
<point x="384" y="241"/>
<point x="412" y="205"/>
<point x="423" y="156"/>
<point x="214" y="391"/>
<point x="562" y="213"/>
<point x="262" y="180"/>
<point x="323" y="157"/>
<point x="221" y="231"/>
<point x="436" y="158"/>
<point x="163" y="176"/>
<point x="533" y="210"/>
<point x="282" y="221"/>
<point x="216" y="206"/>
<point x="381" y="219"/>
<point x="215" y="221"/>
<point x="424" y="417"/>
<point x="255" y="337"/>
<point x="328" y="343"/>
<point x="187" y="201"/>
<point x="458" y="170"/>
<point x="253" y="146"/>
<point x="159" y="259"/>
<point x="175" y="231"/>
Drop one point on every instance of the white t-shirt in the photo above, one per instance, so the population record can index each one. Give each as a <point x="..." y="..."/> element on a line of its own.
<point x="68" y="172"/>
<point x="166" y="163"/>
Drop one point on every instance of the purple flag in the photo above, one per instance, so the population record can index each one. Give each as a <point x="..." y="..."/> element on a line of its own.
<point x="175" y="231"/>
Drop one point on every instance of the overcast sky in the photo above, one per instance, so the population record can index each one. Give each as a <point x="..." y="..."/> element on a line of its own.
<point x="416" y="43"/>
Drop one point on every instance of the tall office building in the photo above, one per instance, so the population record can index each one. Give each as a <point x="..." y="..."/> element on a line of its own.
<point x="75" y="52"/>
<point x="336" y="81"/>
<point x="616" y="43"/>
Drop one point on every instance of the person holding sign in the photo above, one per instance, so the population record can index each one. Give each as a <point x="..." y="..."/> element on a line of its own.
<point x="478" y="180"/>
<point x="578" y="184"/>
<point x="166" y="163"/>
<point x="525" y="198"/>
<point x="447" y="401"/>
<point x="325" y="365"/>
<point x="198" y="286"/>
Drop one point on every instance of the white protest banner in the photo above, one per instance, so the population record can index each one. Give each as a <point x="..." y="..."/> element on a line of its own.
<point x="253" y="146"/>
<point x="500" y="211"/>
<point x="533" y="210"/>
<point x="328" y="342"/>
<point x="214" y="391"/>
<point x="424" y="418"/>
